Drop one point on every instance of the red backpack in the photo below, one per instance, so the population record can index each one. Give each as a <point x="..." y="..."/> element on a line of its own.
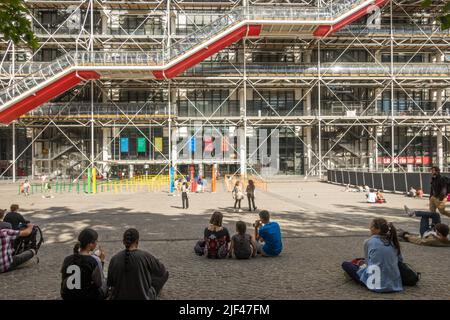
<point x="215" y="247"/>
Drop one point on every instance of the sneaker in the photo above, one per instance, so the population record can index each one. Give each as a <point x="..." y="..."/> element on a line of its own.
<point x="240" y="210"/>
<point x="408" y="211"/>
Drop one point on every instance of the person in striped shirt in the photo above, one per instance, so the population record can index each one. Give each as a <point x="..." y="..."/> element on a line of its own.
<point x="8" y="261"/>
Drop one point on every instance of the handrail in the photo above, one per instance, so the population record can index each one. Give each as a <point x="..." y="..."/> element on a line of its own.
<point x="241" y="15"/>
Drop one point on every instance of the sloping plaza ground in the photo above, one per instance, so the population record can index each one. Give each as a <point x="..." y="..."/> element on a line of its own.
<point x="322" y="226"/>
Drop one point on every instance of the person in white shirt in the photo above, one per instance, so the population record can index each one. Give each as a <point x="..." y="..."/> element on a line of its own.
<point x="371" y="197"/>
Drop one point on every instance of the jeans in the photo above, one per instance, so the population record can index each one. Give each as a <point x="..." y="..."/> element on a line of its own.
<point x="351" y="270"/>
<point x="185" y="200"/>
<point x="425" y="217"/>
<point x="252" y="199"/>
<point x="237" y="202"/>
<point x="21" y="259"/>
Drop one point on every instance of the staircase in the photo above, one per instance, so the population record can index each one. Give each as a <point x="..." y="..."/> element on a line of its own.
<point x="76" y="67"/>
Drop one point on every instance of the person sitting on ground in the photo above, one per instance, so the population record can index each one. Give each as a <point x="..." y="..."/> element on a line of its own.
<point x="216" y="237"/>
<point x="4" y="225"/>
<point x="380" y="197"/>
<point x="360" y="189"/>
<point x="371" y="196"/>
<point x="419" y="193"/>
<point x="135" y="274"/>
<point x="15" y="218"/>
<point x="267" y="236"/>
<point x="433" y="238"/>
<point x="8" y="237"/>
<point x="381" y="256"/>
<point x="242" y="245"/>
<point x="429" y="233"/>
<point x="412" y="192"/>
<point x="89" y="266"/>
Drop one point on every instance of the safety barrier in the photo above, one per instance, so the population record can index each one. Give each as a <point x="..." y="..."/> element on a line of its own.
<point x="387" y="181"/>
<point x="136" y="184"/>
<point x="230" y="181"/>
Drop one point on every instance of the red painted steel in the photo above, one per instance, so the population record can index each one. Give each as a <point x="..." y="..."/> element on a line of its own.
<point x="49" y="92"/>
<point x="323" y="31"/>
<point x="199" y="56"/>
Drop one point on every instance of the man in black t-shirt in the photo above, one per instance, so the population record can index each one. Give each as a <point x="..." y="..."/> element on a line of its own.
<point x="15" y="218"/>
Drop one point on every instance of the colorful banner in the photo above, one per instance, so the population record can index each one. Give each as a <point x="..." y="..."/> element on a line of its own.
<point x="158" y="144"/>
<point x="192" y="144"/>
<point x="141" y="145"/>
<point x="225" y="144"/>
<point x="124" y="145"/>
<point x="425" y="160"/>
<point x="209" y="145"/>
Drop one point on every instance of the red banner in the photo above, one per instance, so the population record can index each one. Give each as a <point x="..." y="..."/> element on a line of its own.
<point x="425" y="160"/>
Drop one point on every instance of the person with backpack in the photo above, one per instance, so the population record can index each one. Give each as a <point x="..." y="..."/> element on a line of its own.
<point x="135" y="274"/>
<point x="238" y="195"/>
<point x="216" y="238"/>
<point x="242" y="245"/>
<point x="438" y="192"/>
<point x="379" y="270"/>
<point x="82" y="272"/>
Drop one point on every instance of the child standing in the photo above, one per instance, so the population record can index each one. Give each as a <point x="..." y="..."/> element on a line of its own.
<point x="184" y="196"/>
<point x="242" y="244"/>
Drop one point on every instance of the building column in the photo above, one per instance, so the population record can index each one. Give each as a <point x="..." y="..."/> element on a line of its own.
<point x="174" y="148"/>
<point x="33" y="155"/>
<point x="106" y="149"/>
<point x="371" y="146"/>
<point x="439" y="144"/>
<point x="242" y="138"/>
<point x="14" y="151"/>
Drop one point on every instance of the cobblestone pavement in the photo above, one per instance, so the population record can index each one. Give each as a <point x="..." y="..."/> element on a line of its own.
<point x="322" y="226"/>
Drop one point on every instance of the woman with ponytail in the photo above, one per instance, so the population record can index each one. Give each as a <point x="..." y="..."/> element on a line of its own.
<point x="135" y="274"/>
<point x="82" y="272"/>
<point x="378" y="271"/>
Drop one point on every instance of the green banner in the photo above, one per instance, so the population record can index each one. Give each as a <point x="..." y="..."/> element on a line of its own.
<point x="141" y="145"/>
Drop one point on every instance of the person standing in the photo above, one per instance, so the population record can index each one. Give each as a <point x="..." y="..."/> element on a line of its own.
<point x="438" y="192"/>
<point x="26" y="188"/>
<point x="251" y="195"/>
<point x="184" y="196"/>
<point x="238" y="195"/>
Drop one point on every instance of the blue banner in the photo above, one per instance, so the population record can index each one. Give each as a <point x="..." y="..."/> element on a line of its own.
<point x="193" y="144"/>
<point x="124" y="145"/>
<point x="172" y="179"/>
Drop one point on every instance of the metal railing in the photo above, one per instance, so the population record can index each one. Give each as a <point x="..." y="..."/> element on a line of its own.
<point x="305" y="14"/>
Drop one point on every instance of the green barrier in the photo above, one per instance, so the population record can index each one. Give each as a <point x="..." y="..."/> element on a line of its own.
<point x="89" y="179"/>
<point x="78" y="186"/>
<point x="70" y="187"/>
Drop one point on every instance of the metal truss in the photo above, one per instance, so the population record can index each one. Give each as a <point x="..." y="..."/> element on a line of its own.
<point x="239" y="78"/>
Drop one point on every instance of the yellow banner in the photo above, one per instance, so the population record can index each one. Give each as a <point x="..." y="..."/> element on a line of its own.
<point x="158" y="144"/>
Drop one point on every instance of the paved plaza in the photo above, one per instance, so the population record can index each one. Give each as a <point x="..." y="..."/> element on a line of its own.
<point x="321" y="224"/>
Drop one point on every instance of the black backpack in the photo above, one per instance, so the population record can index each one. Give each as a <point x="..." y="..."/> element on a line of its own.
<point x="409" y="276"/>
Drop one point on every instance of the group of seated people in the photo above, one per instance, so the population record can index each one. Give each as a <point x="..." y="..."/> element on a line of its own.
<point x="413" y="193"/>
<point x="217" y="243"/>
<point x="133" y="274"/>
<point x="382" y="252"/>
<point x="14" y="228"/>
<point x="375" y="197"/>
